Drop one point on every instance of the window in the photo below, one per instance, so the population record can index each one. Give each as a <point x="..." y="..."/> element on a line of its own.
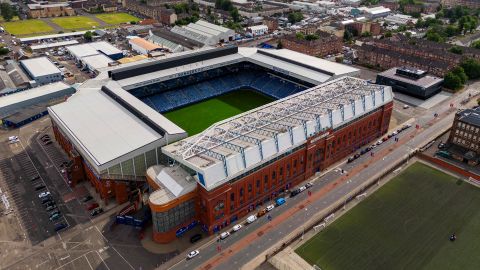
<point x="241" y="192"/>
<point x="274" y="175"/>
<point x="220" y="205"/>
<point x="249" y="187"/>
<point x="232" y="196"/>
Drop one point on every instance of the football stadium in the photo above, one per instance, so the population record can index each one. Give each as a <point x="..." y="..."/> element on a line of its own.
<point x="215" y="132"/>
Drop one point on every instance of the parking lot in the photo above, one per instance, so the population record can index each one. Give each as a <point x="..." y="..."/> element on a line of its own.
<point x="23" y="181"/>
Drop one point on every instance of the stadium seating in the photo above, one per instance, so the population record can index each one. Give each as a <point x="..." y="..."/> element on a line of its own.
<point x="173" y="94"/>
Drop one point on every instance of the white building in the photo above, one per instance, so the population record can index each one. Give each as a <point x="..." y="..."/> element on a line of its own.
<point x="258" y="30"/>
<point x="42" y="70"/>
<point x="94" y="48"/>
<point x="375" y="12"/>
<point x="400" y="19"/>
<point x="205" y="32"/>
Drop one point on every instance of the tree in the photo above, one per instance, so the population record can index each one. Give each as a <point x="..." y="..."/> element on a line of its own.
<point x="471" y="68"/>
<point x="300" y="35"/>
<point x="88" y="36"/>
<point x="478" y="102"/>
<point x="460" y="72"/>
<point x="235" y="15"/>
<point x="366" y="34"/>
<point x="451" y="30"/>
<point x="347" y="35"/>
<point x="4" y="50"/>
<point x="456" y="49"/>
<point x="311" y="37"/>
<point x="7" y="11"/>
<point x="434" y="36"/>
<point x="295" y="17"/>
<point x="279" y="45"/>
<point x="452" y="81"/>
<point x="388" y="34"/>
<point x="475" y="44"/>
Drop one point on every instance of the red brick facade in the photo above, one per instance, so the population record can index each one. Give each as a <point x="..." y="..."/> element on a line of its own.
<point x="326" y="44"/>
<point x="232" y="201"/>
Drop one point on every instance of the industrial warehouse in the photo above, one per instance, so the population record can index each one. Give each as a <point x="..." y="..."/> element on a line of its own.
<point x="315" y="114"/>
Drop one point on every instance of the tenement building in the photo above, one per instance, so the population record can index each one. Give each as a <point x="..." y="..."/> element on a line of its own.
<point x="465" y="136"/>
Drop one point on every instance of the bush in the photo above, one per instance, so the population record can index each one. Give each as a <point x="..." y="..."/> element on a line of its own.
<point x="452" y="81"/>
<point x="471" y="68"/>
<point x="456" y="50"/>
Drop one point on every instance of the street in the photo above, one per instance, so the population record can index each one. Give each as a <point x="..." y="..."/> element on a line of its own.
<point x="243" y="246"/>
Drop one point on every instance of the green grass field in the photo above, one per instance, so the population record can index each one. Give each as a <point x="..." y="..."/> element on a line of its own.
<point x="75" y="22"/>
<point x="197" y="117"/>
<point x="117" y="18"/>
<point x="26" y="27"/>
<point x="405" y="225"/>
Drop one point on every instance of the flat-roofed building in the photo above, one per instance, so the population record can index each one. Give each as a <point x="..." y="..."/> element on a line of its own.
<point x="25" y="106"/>
<point x="411" y="81"/>
<point x="94" y="48"/>
<point x="42" y="70"/>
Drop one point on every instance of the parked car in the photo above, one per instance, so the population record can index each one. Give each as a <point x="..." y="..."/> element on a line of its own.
<point x="237" y="227"/>
<point x="53" y="212"/>
<point x="92" y="206"/>
<point x="350" y="159"/>
<point x="192" y="254"/>
<point x="261" y="212"/>
<point x="87" y="198"/>
<point x="46" y="200"/>
<point x="54" y="217"/>
<point x="60" y="226"/>
<point x="96" y="211"/>
<point x="302" y="188"/>
<point x="270" y="207"/>
<point x="47" y="143"/>
<point x="50" y="203"/>
<point x="280" y="201"/>
<point x="251" y="219"/>
<point x="356" y="156"/>
<point x="35" y="178"/>
<point x="224" y="235"/>
<point x="406" y="106"/>
<point x="309" y="185"/>
<point x="44" y="194"/>
<point x="442" y="146"/>
<point x="39" y="187"/>
<point x="51" y="207"/>
<point x="294" y="193"/>
<point x="195" y="238"/>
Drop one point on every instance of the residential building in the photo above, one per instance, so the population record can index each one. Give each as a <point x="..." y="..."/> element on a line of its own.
<point x="465" y="136"/>
<point x="397" y="51"/>
<point x="325" y="44"/>
<point x="473" y="4"/>
<point x="361" y="27"/>
<point x="49" y="10"/>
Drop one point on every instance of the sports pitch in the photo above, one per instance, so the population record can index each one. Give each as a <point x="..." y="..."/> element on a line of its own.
<point x="117" y="18"/>
<point x="75" y="22"/>
<point x="197" y="117"/>
<point x="26" y="27"/>
<point x="406" y="224"/>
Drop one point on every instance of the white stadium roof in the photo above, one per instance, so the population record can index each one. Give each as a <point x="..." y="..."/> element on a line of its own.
<point x="307" y="68"/>
<point x="108" y="125"/>
<point x="231" y="147"/>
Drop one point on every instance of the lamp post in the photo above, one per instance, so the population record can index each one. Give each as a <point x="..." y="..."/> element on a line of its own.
<point x="304" y="220"/>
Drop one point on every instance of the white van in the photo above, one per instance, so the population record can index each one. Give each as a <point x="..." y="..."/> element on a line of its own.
<point x="251" y="219"/>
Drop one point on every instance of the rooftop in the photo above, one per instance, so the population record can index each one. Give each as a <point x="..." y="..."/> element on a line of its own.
<point x="97" y="61"/>
<point x="425" y="81"/>
<point x="231" y="147"/>
<point x="173" y="183"/>
<point x="38" y="67"/>
<point x="470" y="116"/>
<point x="147" y="45"/>
<point x="52" y="36"/>
<point x="87" y="49"/>
<point x="33" y="93"/>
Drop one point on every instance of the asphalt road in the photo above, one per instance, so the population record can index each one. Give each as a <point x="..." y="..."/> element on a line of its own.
<point x="209" y="252"/>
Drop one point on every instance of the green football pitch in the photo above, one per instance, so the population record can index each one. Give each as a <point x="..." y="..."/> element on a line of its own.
<point x="198" y="117"/>
<point x="406" y="224"/>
